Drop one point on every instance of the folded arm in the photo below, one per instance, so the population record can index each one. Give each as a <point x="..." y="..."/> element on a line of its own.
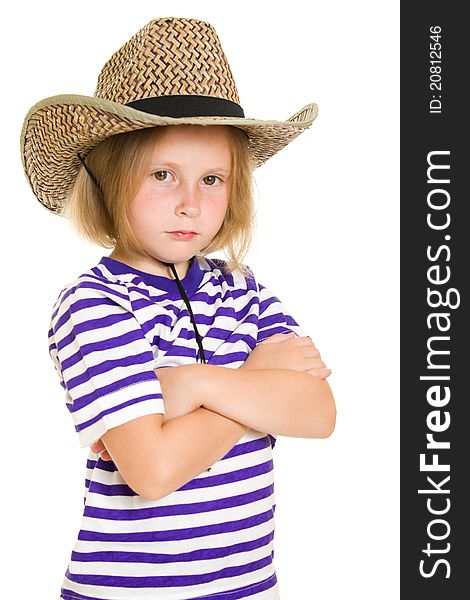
<point x="157" y="457"/>
<point x="280" y="401"/>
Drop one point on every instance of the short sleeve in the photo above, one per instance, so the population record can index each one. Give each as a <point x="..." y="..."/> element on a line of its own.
<point x="274" y="317"/>
<point x="104" y="361"/>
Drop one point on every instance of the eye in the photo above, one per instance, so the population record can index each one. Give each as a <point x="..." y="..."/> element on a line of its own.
<point x="211" y="180"/>
<point x="161" y="175"/>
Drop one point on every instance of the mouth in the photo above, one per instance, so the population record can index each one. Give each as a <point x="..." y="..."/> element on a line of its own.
<point x="182" y="234"/>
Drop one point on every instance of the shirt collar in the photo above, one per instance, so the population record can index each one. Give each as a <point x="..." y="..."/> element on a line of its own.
<point x="190" y="282"/>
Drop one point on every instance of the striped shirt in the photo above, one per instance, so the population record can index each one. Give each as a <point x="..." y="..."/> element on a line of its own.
<point x="212" y="537"/>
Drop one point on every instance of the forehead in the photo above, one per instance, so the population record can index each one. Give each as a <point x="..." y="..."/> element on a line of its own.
<point x="193" y="143"/>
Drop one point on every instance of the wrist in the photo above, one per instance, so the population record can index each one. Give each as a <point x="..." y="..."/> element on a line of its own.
<point x="198" y="380"/>
<point x="182" y="384"/>
<point x="206" y="383"/>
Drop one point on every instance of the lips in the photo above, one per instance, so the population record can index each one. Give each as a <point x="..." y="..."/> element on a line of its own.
<point x="182" y="234"/>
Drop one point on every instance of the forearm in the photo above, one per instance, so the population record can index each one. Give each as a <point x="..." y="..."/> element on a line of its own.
<point x="279" y="401"/>
<point x="156" y="458"/>
<point x="194" y="442"/>
<point x="219" y="405"/>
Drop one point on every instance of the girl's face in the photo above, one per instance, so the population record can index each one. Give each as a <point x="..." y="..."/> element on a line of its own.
<point x="182" y="201"/>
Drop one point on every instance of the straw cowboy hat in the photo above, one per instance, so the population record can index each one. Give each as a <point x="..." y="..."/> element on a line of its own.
<point x="173" y="71"/>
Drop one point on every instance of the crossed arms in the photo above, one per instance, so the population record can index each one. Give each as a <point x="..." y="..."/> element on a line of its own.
<point x="280" y="389"/>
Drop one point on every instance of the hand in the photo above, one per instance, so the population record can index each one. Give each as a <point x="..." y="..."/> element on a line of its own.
<point x="99" y="448"/>
<point x="287" y="351"/>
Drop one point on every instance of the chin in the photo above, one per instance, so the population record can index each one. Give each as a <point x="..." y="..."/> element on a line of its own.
<point x="176" y="252"/>
<point x="176" y="257"/>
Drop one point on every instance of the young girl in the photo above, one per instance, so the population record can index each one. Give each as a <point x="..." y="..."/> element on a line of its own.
<point x="158" y="165"/>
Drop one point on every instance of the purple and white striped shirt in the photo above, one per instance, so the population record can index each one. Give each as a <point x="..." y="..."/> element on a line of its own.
<point x="213" y="537"/>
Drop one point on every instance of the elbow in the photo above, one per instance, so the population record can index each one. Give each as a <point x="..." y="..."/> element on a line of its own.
<point x="149" y="492"/>
<point x="152" y="495"/>
<point x="329" y="423"/>
<point x="326" y="422"/>
<point x="146" y="489"/>
<point x="160" y="485"/>
<point x="149" y="484"/>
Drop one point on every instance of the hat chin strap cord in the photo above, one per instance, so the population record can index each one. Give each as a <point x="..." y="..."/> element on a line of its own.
<point x="191" y="315"/>
<point x="182" y="291"/>
<point x="89" y="171"/>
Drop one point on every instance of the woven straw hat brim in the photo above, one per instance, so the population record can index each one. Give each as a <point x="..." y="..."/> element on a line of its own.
<point x="57" y="128"/>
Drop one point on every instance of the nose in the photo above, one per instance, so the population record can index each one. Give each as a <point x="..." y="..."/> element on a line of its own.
<point x="189" y="202"/>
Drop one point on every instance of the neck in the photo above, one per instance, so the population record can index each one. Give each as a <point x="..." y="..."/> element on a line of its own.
<point x="149" y="264"/>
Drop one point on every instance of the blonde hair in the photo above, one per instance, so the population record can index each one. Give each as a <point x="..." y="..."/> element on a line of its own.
<point x="119" y="164"/>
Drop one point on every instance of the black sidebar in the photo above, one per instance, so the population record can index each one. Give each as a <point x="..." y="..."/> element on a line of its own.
<point x="435" y="349"/>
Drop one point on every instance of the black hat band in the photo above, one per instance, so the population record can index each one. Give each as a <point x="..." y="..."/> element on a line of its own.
<point x="188" y="106"/>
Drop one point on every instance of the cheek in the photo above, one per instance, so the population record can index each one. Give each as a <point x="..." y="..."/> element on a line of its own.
<point x="136" y="219"/>
<point x="145" y="213"/>
<point x="219" y="208"/>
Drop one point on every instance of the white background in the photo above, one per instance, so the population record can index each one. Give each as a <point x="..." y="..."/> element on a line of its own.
<point x="326" y="244"/>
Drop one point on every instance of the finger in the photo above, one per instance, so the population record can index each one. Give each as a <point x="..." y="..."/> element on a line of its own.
<point x="309" y="352"/>
<point x="304" y="341"/>
<point x="97" y="446"/>
<point x="315" y="363"/>
<point x="104" y="454"/>
<point x="322" y="373"/>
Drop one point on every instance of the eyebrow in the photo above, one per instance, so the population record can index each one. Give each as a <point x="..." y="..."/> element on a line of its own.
<point x="172" y="165"/>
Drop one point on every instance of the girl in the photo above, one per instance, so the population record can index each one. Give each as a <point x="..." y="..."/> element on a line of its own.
<point x="158" y="165"/>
